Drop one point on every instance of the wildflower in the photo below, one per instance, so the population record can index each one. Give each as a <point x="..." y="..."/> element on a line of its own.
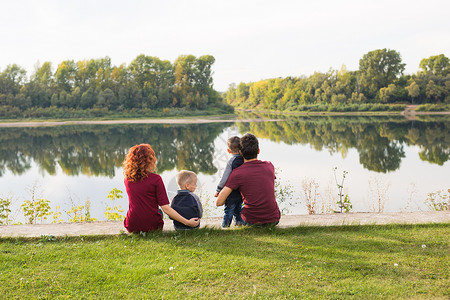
<point x="396" y="265"/>
<point x="424" y="246"/>
<point x="171" y="269"/>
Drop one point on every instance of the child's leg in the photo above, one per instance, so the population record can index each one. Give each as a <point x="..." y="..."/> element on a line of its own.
<point x="237" y="213"/>
<point x="228" y="215"/>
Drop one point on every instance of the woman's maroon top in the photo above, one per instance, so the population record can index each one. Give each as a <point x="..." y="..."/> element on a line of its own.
<point x="144" y="198"/>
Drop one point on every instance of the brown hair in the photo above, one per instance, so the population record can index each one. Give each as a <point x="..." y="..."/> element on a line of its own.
<point x="234" y="144"/>
<point x="185" y="177"/>
<point x="249" y="146"/>
<point x="139" y="162"/>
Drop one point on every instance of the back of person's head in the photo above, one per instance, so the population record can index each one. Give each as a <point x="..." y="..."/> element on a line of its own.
<point x="139" y="162"/>
<point x="184" y="177"/>
<point x="249" y="146"/>
<point x="234" y="144"/>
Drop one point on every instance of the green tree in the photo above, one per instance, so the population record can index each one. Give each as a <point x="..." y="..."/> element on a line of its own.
<point x="438" y="65"/>
<point x="413" y="91"/>
<point x="43" y="74"/>
<point x="378" y="69"/>
<point x="433" y="91"/>
<point x="12" y="79"/>
<point x="65" y="75"/>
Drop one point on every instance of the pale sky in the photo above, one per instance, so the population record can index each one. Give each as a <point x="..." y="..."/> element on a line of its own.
<point x="250" y="40"/>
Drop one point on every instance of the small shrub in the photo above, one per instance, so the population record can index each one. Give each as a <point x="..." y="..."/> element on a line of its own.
<point x="438" y="201"/>
<point x="36" y="209"/>
<point x="81" y="213"/>
<point x="56" y="215"/>
<point x="5" y="210"/>
<point x="114" y="213"/>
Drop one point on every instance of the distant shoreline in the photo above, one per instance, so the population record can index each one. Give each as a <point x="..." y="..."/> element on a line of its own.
<point x="408" y="113"/>
<point x="130" y="121"/>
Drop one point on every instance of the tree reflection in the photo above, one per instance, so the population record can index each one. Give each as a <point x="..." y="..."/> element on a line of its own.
<point x="378" y="140"/>
<point x="99" y="150"/>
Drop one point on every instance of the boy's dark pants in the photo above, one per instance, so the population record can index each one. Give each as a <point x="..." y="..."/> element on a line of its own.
<point x="233" y="207"/>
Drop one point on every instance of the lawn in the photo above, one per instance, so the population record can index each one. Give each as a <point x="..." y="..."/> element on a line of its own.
<point x="359" y="262"/>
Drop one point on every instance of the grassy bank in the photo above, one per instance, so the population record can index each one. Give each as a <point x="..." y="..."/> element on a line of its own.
<point x="363" y="262"/>
<point x="367" y="109"/>
<point x="51" y="113"/>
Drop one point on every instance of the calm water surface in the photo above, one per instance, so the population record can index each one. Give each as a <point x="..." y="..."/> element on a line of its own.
<point x="392" y="163"/>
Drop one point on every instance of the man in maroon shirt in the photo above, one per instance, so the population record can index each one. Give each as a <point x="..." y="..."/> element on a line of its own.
<point x="256" y="181"/>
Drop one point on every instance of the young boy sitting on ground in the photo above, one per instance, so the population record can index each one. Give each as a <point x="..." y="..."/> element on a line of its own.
<point x="233" y="203"/>
<point x="185" y="202"/>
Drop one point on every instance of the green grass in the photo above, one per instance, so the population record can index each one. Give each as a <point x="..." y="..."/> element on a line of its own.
<point x="303" y="263"/>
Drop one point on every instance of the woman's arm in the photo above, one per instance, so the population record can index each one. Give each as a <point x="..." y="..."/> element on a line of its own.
<point x="172" y="213"/>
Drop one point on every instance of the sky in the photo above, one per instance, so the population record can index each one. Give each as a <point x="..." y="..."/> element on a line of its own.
<point x="250" y="40"/>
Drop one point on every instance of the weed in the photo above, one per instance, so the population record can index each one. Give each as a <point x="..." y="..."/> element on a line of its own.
<point x="344" y="201"/>
<point x="208" y="203"/>
<point x="114" y="213"/>
<point x="438" y="200"/>
<point x="5" y="210"/>
<point x="56" y="218"/>
<point x="47" y="238"/>
<point x="81" y="213"/>
<point x="378" y="193"/>
<point x="310" y="190"/>
<point x="283" y="194"/>
<point x="36" y="208"/>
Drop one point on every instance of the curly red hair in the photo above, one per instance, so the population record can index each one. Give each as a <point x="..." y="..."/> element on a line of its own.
<point x="139" y="162"/>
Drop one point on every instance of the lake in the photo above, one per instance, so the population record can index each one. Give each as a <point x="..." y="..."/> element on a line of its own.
<point x="392" y="164"/>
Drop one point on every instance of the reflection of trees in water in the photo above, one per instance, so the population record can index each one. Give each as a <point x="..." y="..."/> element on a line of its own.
<point x="98" y="150"/>
<point x="379" y="141"/>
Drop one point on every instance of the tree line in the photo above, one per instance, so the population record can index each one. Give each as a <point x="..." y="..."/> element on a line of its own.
<point x="379" y="80"/>
<point x="147" y="83"/>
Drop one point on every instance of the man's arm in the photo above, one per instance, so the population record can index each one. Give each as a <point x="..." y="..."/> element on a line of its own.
<point x="226" y="191"/>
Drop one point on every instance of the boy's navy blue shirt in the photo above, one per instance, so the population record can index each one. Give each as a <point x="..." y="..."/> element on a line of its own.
<point x="235" y="161"/>
<point x="188" y="205"/>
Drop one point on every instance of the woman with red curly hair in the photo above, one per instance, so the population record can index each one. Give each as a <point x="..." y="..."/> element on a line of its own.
<point x="146" y="192"/>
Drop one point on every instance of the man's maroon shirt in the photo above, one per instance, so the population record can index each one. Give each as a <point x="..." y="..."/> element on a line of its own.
<point x="256" y="181"/>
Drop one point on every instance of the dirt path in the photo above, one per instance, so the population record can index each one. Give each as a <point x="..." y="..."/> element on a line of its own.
<point x="116" y="227"/>
<point x="410" y="112"/>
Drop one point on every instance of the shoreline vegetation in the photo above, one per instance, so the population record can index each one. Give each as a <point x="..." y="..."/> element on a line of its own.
<point x="192" y="117"/>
